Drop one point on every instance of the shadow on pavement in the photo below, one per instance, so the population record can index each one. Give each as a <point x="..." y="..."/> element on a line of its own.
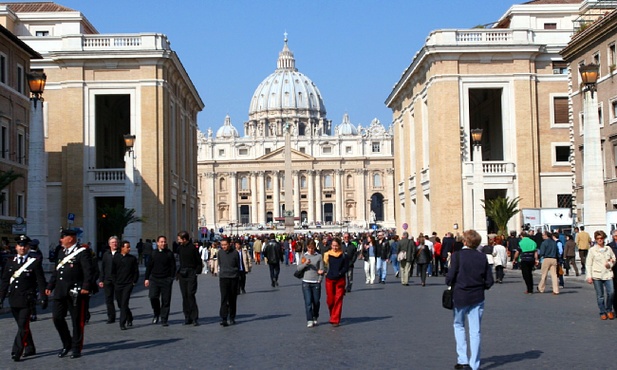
<point x="359" y="320"/>
<point x="498" y="361"/>
<point x="103" y="347"/>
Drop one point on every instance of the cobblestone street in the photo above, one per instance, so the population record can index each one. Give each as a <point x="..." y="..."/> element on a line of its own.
<point x="384" y="326"/>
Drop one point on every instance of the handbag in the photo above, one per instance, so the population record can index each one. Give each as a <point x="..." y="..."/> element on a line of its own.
<point x="402" y="255"/>
<point x="446" y="299"/>
<point x="300" y="273"/>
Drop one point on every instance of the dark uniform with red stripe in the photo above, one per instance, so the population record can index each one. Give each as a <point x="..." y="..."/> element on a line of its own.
<point x="22" y="297"/>
<point x="74" y="275"/>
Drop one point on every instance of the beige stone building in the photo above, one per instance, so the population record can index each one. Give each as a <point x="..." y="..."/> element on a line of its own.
<point x="15" y="58"/>
<point x="508" y="80"/>
<point x="99" y="88"/>
<point x="595" y="43"/>
<point x="342" y="174"/>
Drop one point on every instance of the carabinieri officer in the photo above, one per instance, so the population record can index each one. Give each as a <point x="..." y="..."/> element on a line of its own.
<point x="22" y="276"/>
<point x="70" y="283"/>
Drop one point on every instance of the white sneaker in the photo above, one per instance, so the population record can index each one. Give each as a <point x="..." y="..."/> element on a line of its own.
<point x="310" y="324"/>
<point x="315" y="322"/>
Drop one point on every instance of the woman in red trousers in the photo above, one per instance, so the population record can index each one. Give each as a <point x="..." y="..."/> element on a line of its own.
<point x="337" y="264"/>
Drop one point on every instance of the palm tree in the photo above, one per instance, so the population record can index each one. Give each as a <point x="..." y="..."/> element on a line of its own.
<point x="501" y="210"/>
<point x="7" y="177"/>
<point x="116" y="218"/>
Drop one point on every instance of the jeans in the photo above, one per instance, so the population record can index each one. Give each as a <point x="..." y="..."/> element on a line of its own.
<point x="382" y="268"/>
<point x="474" y="318"/>
<point x="395" y="263"/>
<point x="604" y="305"/>
<point x="312" y="295"/>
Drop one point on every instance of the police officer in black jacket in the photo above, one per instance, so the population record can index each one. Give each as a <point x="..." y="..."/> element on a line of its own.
<point x="70" y="283"/>
<point x="190" y="268"/>
<point x="22" y="275"/>
<point x="160" y="273"/>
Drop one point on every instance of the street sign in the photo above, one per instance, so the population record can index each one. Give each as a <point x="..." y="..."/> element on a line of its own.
<point x="405" y="226"/>
<point x="71" y="218"/>
<point x="221" y="230"/>
<point x="374" y="226"/>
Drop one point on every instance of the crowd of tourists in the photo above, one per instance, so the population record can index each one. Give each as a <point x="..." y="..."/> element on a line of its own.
<point x="317" y="257"/>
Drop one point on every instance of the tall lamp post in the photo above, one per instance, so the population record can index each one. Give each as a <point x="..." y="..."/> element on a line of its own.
<point x="479" y="215"/>
<point x="36" y="204"/>
<point x="594" y="214"/>
<point x="129" y="184"/>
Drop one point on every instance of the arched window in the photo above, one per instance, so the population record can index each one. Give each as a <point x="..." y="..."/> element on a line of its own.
<point x="376" y="180"/>
<point x="327" y="181"/>
<point x="349" y="181"/>
<point x="244" y="183"/>
<point x="303" y="182"/>
<point x="222" y="184"/>
<point x="269" y="183"/>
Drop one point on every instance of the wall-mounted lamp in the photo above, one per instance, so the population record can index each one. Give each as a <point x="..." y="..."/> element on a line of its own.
<point x="129" y="142"/>
<point x="476" y="136"/>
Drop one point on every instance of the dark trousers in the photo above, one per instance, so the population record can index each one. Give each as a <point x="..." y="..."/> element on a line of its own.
<point x="229" y="292"/>
<point x="526" y="270"/>
<point x="123" y="295"/>
<point x="188" y="289"/>
<point x="109" y="288"/>
<point x="23" y="339"/>
<point x="571" y="261"/>
<point x="422" y="267"/>
<point x="499" y="273"/>
<point x="275" y="269"/>
<point x="160" y="296"/>
<point x="349" y="278"/>
<point x="77" y="310"/>
<point x="241" y="281"/>
<point x="436" y="265"/>
<point x="582" y="253"/>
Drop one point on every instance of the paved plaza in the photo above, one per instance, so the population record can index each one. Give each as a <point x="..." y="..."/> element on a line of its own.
<point x="384" y="326"/>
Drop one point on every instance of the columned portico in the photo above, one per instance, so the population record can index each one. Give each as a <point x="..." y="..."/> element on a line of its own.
<point x="318" y="205"/>
<point x="311" y="196"/>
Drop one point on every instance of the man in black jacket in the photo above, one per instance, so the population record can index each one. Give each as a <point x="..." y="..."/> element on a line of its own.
<point x="21" y="277"/>
<point x="350" y="248"/>
<point x="107" y="281"/>
<point x="190" y="267"/>
<point x="126" y="273"/>
<point x="159" y="279"/>
<point x="229" y="264"/>
<point x="274" y="254"/>
<point x="70" y="283"/>
<point x="382" y="253"/>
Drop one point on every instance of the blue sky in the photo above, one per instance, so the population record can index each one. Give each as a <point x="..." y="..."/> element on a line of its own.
<point x="353" y="50"/>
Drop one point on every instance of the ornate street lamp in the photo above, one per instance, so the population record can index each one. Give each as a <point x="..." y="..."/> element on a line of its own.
<point x="36" y="83"/>
<point x="594" y="213"/>
<point x="36" y="201"/>
<point x="589" y="76"/>
<point x="479" y="214"/>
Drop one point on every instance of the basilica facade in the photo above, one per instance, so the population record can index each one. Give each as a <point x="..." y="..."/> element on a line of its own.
<point x="341" y="174"/>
